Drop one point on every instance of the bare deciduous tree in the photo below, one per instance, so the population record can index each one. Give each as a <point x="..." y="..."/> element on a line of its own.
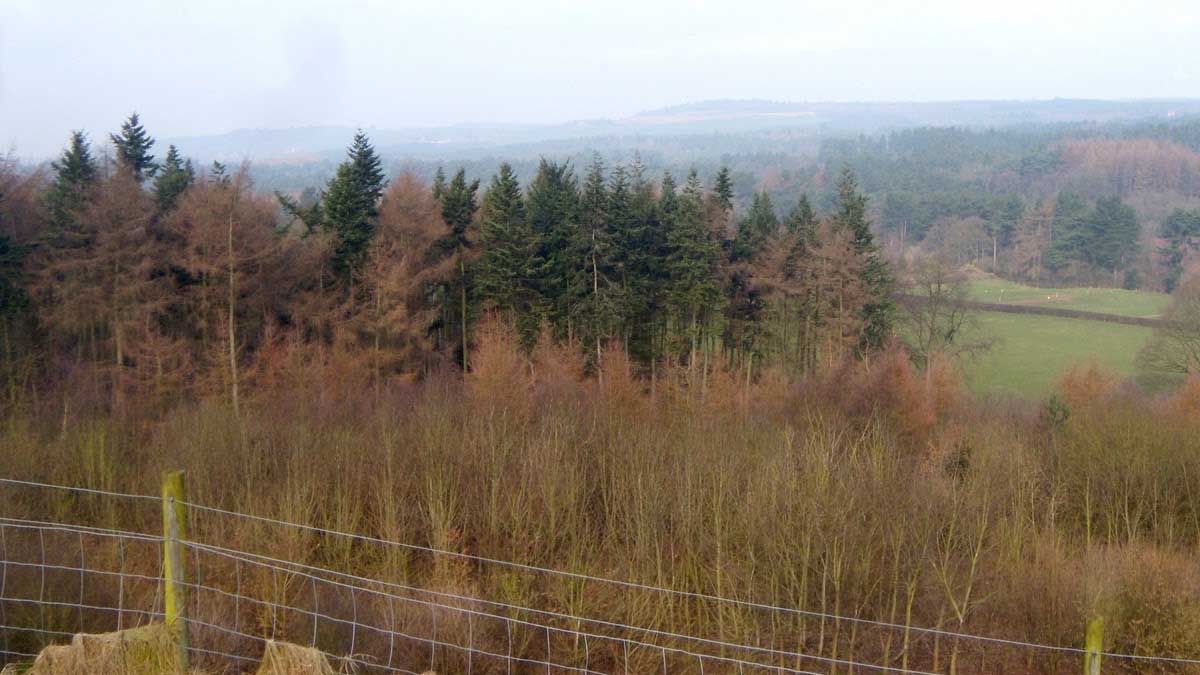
<point x="936" y="316"/>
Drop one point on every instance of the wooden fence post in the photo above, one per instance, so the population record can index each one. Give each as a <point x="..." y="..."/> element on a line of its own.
<point x="1094" y="644"/>
<point x="175" y="593"/>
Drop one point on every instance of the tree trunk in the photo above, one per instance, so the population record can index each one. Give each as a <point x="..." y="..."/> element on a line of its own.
<point x="233" y="369"/>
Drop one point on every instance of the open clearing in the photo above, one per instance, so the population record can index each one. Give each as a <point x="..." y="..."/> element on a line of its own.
<point x="1104" y="300"/>
<point x="1032" y="352"/>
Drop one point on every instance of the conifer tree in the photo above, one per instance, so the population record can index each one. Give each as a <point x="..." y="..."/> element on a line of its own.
<point x="508" y="247"/>
<point x="593" y="287"/>
<point x="877" y="280"/>
<point x="723" y="189"/>
<point x="439" y="183"/>
<point x="552" y="205"/>
<point x="351" y="204"/>
<point x="458" y="211"/>
<point x="176" y="175"/>
<point x="133" y="148"/>
<point x="692" y="289"/>
<point x="759" y="224"/>
<point x="218" y="173"/>
<point x="75" y="175"/>
<point x="644" y="244"/>
<point x="802" y="218"/>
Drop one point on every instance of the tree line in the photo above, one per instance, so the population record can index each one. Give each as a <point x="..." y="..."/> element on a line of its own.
<point x="126" y="273"/>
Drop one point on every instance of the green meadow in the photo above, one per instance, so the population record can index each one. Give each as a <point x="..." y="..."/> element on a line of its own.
<point x="1032" y="352"/>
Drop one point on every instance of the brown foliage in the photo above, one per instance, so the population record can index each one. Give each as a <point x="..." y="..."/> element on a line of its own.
<point x="1087" y="384"/>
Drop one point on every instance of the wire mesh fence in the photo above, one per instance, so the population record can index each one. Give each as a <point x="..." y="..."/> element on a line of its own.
<point x="59" y="579"/>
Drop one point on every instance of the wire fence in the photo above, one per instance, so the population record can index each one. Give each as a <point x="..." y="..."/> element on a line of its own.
<point x="60" y="579"/>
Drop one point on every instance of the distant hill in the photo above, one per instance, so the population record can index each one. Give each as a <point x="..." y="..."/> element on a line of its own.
<point x="473" y="141"/>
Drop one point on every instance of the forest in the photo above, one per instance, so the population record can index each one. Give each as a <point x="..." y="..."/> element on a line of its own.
<point x="655" y="375"/>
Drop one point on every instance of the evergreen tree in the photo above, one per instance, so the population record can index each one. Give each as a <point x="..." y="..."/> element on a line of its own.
<point x="723" y="189"/>
<point x="693" y="294"/>
<point x="593" y="287"/>
<point x="552" y="205"/>
<point x="458" y="211"/>
<point x="351" y="204"/>
<point x="218" y="173"/>
<point x="1180" y="232"/>
<point x="645" y="246"/>
<point x="759" y="224"/>
<point x="133" y="148"/>
<point x="802" y="219"/>
<point x="175" y="176"/>
<point x="75" y="175"/>
<point x="1113" y="234"/>
<point x="877" y="280"/>
<point x="1068" y="232"/>
<point x="439" y="183"/>
<point x="505" y="275"/>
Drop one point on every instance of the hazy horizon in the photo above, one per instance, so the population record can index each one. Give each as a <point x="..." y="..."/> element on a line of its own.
<point x="223" y="66"/>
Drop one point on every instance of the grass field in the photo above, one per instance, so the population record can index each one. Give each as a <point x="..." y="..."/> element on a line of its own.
<point x="1106" y="300"/>
<point x="1032" y="352"/>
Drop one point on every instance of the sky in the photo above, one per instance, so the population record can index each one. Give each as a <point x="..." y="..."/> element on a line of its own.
<point x="217" y="65"/>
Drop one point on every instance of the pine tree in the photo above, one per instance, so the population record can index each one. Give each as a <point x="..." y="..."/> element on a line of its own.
<point x="175" y="177"/>
<point x="351" y="204"/>
<point x="593" y="287"/>
<point x="505" y="276"/>
<point x="876" y="277"/>
<point x="645" y="251"/>
<point x="552" y="205"/>
<point x="439" y="183"/>
<point x="133" y="148"/>
<point x="1113" y="234"/>
<point x="802" y="218"/>
<point x="692" y="290"/>
<point x="723" y="189"/>
<point x="218" y="173"/>
<point x="75" y="175"/>
<point x="759" y="224"/>
<point x="458" y="211"/>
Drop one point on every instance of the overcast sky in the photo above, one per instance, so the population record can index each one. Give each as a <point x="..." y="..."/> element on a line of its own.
<point x="210" y="66"/>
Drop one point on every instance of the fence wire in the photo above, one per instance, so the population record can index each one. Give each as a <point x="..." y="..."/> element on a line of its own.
<point x="59" y="579"/>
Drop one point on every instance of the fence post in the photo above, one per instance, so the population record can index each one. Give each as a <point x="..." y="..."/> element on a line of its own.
<point x="175" y="593"/>
<point x="1094" y="644"/>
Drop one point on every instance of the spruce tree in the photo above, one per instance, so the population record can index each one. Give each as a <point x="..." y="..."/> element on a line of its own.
<point x="802" y="218"/>
<point x="505" y="275"/>
<point x="218" y="173"/>
<point x="552" y="205"/>
<point x="351" y="204"/>
<point x="593" y="287"/>
<point x="851" y="216"/>
<point x="692" y="290"/>
<point x="723" y="189"/>
<point x="133" y="148"/>
<point x="458" y="212"/>
<point x="176" y="175"/>
<point x="1113" y="234"/>
<point x="75" y="175"/>
<point x="759" y="224"/>
<point x="439" y="183"/>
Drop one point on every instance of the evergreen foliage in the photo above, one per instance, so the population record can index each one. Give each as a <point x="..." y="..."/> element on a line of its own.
<point x="75" y="174"/>
<point x="175" y="176"/>
<point x="878" y="282"/>
<point x="506" y="275"/>
<point x="351" y="204"/>
<point x="133" y="148"/>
